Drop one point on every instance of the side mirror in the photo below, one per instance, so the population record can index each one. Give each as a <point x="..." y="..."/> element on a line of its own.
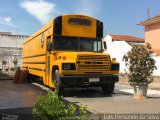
<point x="105" y="45"/>
<point x="49" y="46"/>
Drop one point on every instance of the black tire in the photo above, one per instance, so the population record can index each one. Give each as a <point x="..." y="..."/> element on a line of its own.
<point x="108" y="88"/>
<point x="58" y="84"/>
<point x="29" y="78"/>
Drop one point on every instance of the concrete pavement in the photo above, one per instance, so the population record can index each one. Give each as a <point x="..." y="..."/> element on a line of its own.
<point x="21" y="98"/>
<point x="18" y="95"/>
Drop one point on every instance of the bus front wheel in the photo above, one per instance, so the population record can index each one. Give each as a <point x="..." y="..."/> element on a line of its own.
<point x="108" y="88"/>
<point x="58" y="84"/>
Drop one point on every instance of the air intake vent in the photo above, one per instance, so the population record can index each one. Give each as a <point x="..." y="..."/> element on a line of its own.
<point x="92" y="63"/>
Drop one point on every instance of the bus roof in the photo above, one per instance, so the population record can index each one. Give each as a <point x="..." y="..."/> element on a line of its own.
<point x="50" y="24"/>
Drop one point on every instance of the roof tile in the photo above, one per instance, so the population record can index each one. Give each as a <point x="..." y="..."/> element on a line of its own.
<point x="149" y="21"/>
<point x="126" y="38"/>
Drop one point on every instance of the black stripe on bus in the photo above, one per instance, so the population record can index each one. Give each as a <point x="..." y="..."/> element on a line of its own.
<point x="58" y="25"/>
<point x="99" y="29"/>
<point x="36" y="69"/>
<point x="37" y="55"/>
<point x="33" y="62"/>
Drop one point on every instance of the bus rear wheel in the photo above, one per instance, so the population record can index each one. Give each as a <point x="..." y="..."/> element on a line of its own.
<point x="58" y="84"/>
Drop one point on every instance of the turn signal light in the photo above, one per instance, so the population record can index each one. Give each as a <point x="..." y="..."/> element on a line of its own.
<point x="64" y="57"/>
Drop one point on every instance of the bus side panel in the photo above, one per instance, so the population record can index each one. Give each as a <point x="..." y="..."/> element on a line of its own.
<point x="34" y="55"/>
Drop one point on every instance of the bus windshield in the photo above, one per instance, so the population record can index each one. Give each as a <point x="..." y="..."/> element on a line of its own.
<point x="77" y="44"/>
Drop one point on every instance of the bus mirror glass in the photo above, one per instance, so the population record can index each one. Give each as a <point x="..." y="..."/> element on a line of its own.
<point x="105" y="45"/>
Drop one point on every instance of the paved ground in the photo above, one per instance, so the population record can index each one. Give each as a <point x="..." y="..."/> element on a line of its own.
<point x="20" y="98"/>
<point x="17" y="95"/>
<point x="121" y="102"/>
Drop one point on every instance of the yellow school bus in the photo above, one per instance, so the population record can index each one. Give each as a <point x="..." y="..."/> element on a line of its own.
<point x="68" y="52"/>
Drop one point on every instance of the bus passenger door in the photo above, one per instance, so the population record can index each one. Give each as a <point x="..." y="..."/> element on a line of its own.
<point x="48" y="61"/>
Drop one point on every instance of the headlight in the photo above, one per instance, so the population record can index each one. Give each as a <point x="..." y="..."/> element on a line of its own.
<point x="115" y="67"/>
<point x="68" y="66"/>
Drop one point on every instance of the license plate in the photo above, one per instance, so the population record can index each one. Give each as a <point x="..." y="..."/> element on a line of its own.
<point x="93" y="79"/>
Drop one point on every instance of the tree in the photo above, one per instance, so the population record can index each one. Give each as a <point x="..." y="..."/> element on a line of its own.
<point x="15" y="62"/>
<point x="3" y="63"/>
<point x="140" y="64"/>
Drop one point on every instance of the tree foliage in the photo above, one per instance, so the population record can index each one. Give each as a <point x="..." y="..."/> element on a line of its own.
<point x="4" y="62"/>
<point x="51" y="107"/>
<point x="15" y="62"/>
<point x="140" y="64"/>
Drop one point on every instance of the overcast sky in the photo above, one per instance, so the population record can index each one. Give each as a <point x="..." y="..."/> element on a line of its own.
<point x="119" y="16"/>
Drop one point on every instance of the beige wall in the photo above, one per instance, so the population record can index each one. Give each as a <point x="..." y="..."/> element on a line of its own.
<point x="152" y="35"/>
<point x="10" y="48"/>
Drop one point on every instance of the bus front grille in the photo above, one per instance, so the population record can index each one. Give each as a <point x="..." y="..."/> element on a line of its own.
<point x="93" y="63"/>
<point x="93" y="58"/>
<point x="92" y="67"/>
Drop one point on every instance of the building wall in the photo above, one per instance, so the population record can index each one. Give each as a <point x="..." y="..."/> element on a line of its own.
<point x="117" y="49"/>
<point x="152" y="35"/>
<point x="11" y="49"/>
<point x="12" y="40"/>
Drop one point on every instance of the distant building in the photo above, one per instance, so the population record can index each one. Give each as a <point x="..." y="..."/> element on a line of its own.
<point x="126" y="38"/>
<point x="119" y="45"/>
<point x="5" y="33"/>
<point x="11" y="49"/>
<point x="152" y="32"/>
